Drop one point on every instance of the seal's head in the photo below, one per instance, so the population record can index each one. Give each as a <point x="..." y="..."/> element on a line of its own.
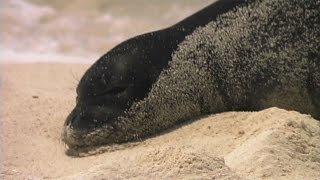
<point x="121" y="77"/>
<point x="108" y="88"/>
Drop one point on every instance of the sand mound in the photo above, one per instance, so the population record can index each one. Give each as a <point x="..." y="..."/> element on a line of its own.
<point x="167" y="162"/>
<point x="273" y="144"/>
<point x="270" y="144"/>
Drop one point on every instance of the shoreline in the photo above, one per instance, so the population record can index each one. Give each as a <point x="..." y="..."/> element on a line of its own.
<point x="7" y="57"/>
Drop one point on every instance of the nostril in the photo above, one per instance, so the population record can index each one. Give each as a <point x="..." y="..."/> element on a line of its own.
<point x="71" y="119"/>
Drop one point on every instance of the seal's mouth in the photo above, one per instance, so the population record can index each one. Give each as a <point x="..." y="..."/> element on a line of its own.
<point x="89" y="121"/>
<point x="73" y="138"/>
<point x="82" y="143"/>
<point x="72" y="135"/>
<point x="87" y="142"/>
<point x="81" y="138"/>
<point x="77" y="141"/>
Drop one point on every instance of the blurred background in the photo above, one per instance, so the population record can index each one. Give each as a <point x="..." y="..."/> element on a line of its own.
<point x="80" y="31"/>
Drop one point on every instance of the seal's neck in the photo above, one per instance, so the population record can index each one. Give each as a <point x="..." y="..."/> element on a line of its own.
<point x="206" y="15"/>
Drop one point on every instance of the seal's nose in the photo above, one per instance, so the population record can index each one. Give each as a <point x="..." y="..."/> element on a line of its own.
<point x="80" y="119"/>
<point x="71" y="118"/>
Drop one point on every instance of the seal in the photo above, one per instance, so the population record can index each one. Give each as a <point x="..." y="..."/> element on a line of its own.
<point x="126" y="73"/>
<point x="251" y="55"/>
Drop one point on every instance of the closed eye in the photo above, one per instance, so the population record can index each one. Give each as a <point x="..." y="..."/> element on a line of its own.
<point x="113" y="91"/>
<point x="116" y="90"/>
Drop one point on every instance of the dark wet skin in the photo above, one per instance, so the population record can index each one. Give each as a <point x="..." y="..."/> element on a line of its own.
<point x="125" y="74"/>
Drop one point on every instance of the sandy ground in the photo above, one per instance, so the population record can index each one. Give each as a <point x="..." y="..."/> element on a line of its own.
<point x="36" y="98"/>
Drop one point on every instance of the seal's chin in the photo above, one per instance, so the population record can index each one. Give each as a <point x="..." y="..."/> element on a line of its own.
<point x="79" y="138"/>
<point x="89" y="126"/>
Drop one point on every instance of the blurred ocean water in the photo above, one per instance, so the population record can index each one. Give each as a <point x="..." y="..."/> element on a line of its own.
<point x="80" y="31"/>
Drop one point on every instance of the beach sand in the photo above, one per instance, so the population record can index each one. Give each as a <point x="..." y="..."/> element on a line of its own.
<point x="36" y="98"/>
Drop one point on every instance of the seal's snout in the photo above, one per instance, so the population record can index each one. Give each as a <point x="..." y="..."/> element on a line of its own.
<point x="74" y="120"/>
<point x="69" y="134"/>
<point x="80" y="118"/>
<point x="86" y="117"/>
<point x="70" y="119"/>
<point x="84" y="120"/>
<point x="73" y="138"/>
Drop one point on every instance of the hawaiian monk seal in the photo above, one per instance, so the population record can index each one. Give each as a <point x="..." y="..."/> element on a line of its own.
<point x="252" y="55"/>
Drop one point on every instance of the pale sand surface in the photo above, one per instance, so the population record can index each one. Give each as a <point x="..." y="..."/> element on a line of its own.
<point x="36" y="98"/>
